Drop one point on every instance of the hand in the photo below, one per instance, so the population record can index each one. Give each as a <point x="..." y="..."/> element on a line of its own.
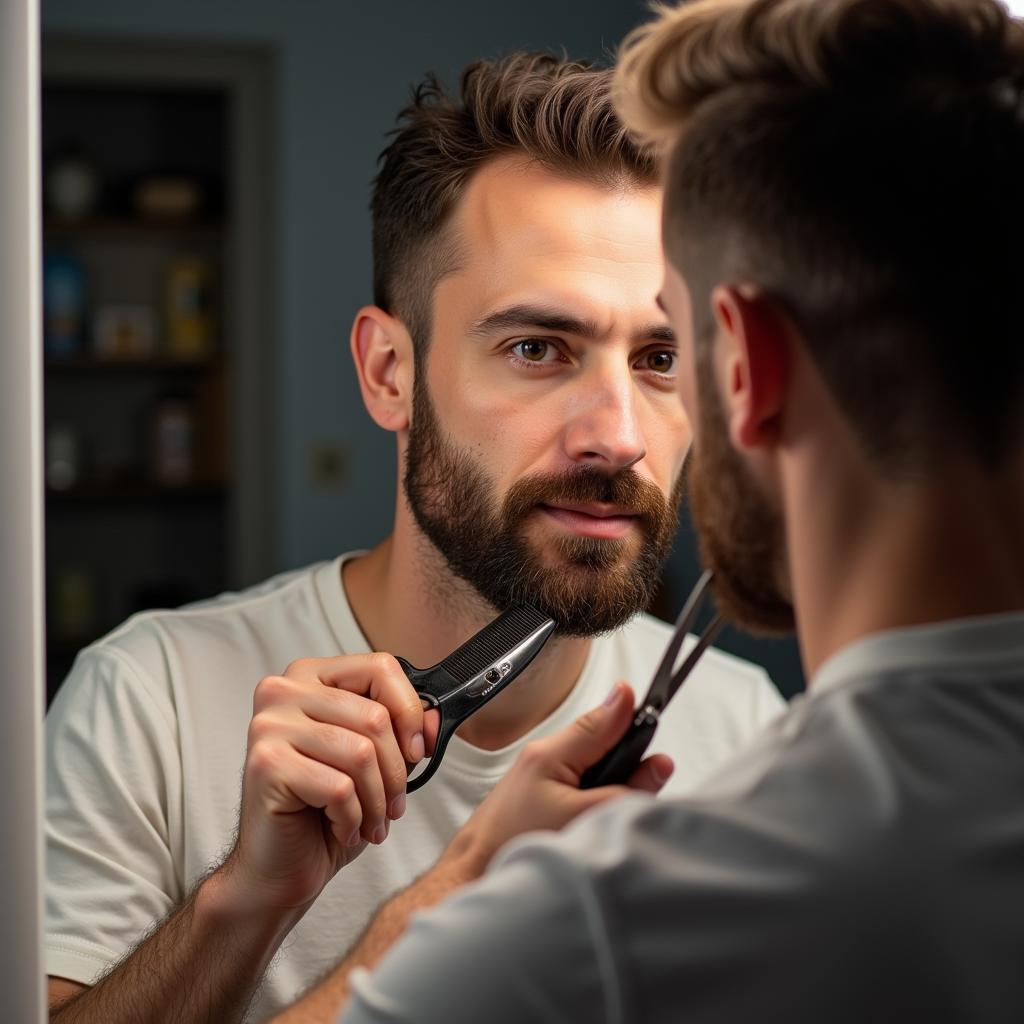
<point x="542" y="789"/>
<point x="329" y="748"/>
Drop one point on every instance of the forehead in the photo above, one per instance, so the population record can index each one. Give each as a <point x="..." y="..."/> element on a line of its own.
<point x="520" y="226"/>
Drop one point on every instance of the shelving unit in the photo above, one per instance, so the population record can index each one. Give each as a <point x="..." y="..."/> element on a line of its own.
<point x="157" y="473"/>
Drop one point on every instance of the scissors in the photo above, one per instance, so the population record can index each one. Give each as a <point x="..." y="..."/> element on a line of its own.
<point x="476" y="673"/>
<point x="621" y="761"/>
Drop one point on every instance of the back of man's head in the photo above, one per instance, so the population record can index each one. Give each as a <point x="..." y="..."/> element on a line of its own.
<point x="554" y="111"/>
<point x="863" y="161"/>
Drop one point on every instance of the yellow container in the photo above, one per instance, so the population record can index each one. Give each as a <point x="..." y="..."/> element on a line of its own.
<point x="189" y="301"/>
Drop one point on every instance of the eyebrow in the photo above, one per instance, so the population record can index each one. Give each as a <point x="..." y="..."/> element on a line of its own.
<point x="549" y="318"/>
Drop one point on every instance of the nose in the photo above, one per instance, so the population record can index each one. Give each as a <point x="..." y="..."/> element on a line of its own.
<point x="602" y="429"/>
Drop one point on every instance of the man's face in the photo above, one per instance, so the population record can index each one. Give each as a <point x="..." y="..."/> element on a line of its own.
<point x="739" y="530"/>
<point x="547" y="441"/>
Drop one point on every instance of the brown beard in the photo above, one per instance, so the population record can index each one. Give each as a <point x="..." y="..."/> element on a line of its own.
<point x="587" y="585"/>
<point x="740" y="535"/>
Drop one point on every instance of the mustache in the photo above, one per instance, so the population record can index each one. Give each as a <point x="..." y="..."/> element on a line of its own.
<point x="587" y="485"/>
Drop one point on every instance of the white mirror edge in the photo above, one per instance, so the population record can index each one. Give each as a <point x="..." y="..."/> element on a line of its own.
<point x="21" y="519"/>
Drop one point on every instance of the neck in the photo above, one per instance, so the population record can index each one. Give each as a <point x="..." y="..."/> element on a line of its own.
<point x="408" y="602"/>
<point x="867" y="556"/>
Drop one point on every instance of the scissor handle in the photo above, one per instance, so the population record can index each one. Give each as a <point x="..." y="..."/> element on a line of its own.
<point x="616" y="767"/>
<point x="419" y="678"/>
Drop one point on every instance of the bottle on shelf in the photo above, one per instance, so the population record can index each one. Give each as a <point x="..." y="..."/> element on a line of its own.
<point x="174" y="430"/>
<point x="189" y="317"/>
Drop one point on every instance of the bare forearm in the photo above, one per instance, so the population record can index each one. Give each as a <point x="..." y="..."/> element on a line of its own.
<point x="460" y="865"/>
<point x="203" y="963"/>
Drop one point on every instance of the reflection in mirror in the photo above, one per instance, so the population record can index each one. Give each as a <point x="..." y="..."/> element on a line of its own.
<point x="206" y="179"/>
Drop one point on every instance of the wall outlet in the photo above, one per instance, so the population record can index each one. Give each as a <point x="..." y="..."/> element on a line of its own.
<point x="328" y="465"/>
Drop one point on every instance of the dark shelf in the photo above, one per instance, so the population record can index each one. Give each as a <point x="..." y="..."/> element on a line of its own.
<point x="87" y="366"/>
<point x="141" y="492"/>
<point x="119" y="540"/>
<point x="130" y="229"/>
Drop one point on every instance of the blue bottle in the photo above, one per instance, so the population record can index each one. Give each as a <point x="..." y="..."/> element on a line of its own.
<point x="63" y="305"/>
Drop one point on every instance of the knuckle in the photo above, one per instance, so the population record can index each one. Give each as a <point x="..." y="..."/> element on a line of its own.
<point x="383" y="663"/>
<point x="364" y="754"/>
<point x="261" y="726"/>
<point x="590" y="722"/>
<point x="298" y="667"/>
<point x="264" y="761"/>
<point x="532" y="753"/>
<point x="378" y="721"/>
<point x="269" y="690"/>
<point x="342" y="791"/>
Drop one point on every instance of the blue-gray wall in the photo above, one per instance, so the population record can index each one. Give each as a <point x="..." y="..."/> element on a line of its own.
<point x="344" y="70"/>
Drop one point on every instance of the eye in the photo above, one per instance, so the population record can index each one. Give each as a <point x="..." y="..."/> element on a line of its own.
<point x="534" y="350"/>
<point x="660" y="361"/>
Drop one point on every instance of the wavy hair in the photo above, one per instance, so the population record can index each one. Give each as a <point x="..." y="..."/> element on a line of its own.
<point x="554" y="111"/>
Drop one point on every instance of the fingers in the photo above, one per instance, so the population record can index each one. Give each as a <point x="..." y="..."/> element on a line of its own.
<point x="366" y="753"/>
<point x="292" y="781"/>
<point x="345" y="713"/>
<point x="652" y="773"/>
<point x="378" y="677"/>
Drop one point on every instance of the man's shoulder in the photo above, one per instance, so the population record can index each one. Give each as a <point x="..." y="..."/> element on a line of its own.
<point x="835" y="814"/>
<point x="659" y="860"/>
<point x="243" y="632"/>
<point x="280" y="587"/>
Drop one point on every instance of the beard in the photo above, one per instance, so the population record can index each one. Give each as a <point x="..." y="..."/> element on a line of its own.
<point x="740" y="535"/>
<point x="587" y="585"/>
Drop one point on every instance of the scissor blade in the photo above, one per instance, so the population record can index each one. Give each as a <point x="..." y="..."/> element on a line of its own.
<point x="661" y="688"/>
<point x="704" y="641"/>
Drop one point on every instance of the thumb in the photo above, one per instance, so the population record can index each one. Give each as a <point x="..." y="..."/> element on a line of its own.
<point x="592" y="735"/>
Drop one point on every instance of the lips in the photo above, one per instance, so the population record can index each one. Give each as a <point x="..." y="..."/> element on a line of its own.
<point x="602" y="521"/>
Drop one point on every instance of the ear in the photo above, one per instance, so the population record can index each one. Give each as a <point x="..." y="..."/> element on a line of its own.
<point x="382" y="352"/>
<point x="756" y="333"/>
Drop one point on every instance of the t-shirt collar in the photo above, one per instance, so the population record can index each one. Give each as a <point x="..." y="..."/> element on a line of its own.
<point x="335" y="604"/>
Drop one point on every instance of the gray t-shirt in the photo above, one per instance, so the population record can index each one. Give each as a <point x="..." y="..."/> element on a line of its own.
<point x="862" y="861"/>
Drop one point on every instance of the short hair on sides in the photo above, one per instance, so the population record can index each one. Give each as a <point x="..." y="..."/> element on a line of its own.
<point x="863" y="161"/>
<point x="555" y="111"/>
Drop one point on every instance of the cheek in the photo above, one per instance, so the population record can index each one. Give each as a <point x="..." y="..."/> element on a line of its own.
<point x="507" y="430"/>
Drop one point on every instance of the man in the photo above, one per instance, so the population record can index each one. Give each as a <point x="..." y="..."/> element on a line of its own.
<point x="516" y="351"/>
<point x="843" y="227"/>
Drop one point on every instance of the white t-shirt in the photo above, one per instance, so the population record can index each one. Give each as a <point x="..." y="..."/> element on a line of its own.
<point x="862" y="861"/>
<point x="146" y="742"/>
